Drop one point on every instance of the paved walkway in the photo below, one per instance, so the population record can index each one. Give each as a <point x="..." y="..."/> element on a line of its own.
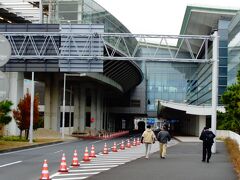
<point x="182" y="163"/>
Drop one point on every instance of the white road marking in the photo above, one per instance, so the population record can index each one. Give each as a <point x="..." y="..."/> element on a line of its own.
<point x="86" y="170"/>
<point x="56" y="174"/>
<point x="95" y="142"/>
<point x="107" y="166"/>
<point x="105" y="162"/>
<point x="79" y="178"/>
<point x="80" y="174"/>
<point x="58" y="151"/>
<point x="102" y="163"/>
<point x="4" y="165"/>
<point x="31" y="149"/>
<point x="109" y="160"/>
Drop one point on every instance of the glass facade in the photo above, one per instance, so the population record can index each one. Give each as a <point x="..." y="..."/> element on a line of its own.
<point x="166" y="81"/>
<point x="90" y="12"/>
<point x="234" y="49"/>
<point x="199" y="90"/>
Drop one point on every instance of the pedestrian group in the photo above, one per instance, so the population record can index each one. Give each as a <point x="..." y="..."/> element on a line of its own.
<point x="149" y="138"/>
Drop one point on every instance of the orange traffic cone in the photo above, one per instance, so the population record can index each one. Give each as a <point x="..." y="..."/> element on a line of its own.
<point x="122" y="147"/>
<point x="134" y="142"/>
<point x="114" y="148"/>
<point x="45" y="173"/>
<point x="105" y="149"/>
<point x="63" y="166"/>
<point x="138" y="141"/>
<point x="75" y="162"/>
<point x="128" y="144"/>
<point x="86" y="156"/>
<point x="92" y="153"/>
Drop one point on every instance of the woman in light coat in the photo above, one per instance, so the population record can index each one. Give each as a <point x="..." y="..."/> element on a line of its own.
<point x="148" y="138"/>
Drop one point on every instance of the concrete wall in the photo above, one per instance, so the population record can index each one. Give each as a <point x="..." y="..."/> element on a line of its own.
<point x="229" y="134"/>
<point x="193" y="125"/>
<point x="16" y="80"/>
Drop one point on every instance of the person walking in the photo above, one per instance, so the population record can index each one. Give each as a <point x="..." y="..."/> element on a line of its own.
<point x="163" y="137"/>
<point x="207" y="137"/>
<point x="148" y="138"/>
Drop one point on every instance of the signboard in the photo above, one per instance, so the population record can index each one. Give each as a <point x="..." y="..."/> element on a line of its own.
<point x="5" y="50"/>
<point x="150" y="121"/>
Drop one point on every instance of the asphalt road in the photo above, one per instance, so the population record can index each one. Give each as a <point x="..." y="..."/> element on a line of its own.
<point x="27" y="164"/>
<point x="182" y="163"/>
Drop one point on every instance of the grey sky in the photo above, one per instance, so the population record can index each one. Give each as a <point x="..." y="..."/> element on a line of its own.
<point x="157" y="16"/>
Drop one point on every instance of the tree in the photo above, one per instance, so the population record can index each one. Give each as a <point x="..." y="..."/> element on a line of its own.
<point x="231" y="100"/>
<point x="5" y="108"/>
<point x="22" y="114"/>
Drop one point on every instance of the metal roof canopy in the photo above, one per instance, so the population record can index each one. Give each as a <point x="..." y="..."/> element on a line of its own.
<point x="203" y="20"/>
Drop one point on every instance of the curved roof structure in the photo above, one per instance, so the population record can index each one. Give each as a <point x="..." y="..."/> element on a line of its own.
<point x="202" y="21"/>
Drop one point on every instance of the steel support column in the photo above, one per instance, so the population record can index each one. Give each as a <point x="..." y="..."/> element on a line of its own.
<point x="215" y="61"/>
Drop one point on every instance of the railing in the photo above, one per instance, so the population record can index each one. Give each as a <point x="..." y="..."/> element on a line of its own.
<point x="58" y="45"/>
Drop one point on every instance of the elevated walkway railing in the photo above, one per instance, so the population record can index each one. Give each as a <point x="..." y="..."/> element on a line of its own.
<point x="59" y="45"/>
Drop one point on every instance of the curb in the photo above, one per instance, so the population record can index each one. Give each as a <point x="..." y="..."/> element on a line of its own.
<point x="29" y="147"/>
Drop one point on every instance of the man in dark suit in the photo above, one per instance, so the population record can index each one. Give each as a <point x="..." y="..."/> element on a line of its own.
<point x="207" y="137"/>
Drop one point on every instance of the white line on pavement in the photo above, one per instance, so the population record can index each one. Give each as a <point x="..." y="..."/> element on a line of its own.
<point x="102" y="163"/>
<point x="58" y="151"/>
<point x="56" y="174"/>
<point x="107" y="160"/>
<point x="31" y="149"/>
<point x="107" y="166"/>
<point x="86" y="170"/>
<point x="4" y="165"/>
<point x="95" y="142"/>
<point x="79" y="178"/>
<point x="80" y="174"/>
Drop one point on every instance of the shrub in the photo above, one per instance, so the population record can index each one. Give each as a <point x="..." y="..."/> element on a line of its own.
<point x="13" y="138"/>
<point x="233" y="149"/>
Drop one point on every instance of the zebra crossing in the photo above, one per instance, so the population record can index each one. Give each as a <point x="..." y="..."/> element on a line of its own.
<point x="104" y="162"/>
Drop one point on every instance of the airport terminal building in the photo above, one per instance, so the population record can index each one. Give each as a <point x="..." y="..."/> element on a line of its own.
<point x="112" y="93"/>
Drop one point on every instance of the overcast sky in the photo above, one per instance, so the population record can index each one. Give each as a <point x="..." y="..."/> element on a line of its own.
<point x="157" y="16"/>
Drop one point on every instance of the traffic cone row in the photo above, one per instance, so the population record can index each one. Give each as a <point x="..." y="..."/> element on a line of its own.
<point x="86" y="158"/>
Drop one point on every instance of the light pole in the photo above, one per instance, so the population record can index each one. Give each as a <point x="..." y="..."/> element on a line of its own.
<point x="31" y="111"/>
<point x="64" y="96"/>
<point x="32" y="88"/>
<point x="215" y="58"/>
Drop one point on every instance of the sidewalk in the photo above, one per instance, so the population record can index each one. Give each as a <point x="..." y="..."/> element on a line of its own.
<point x="182" y="163"/>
